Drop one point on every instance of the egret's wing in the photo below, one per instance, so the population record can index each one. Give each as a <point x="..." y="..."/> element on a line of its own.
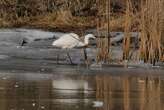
<point x="66" y="41"/>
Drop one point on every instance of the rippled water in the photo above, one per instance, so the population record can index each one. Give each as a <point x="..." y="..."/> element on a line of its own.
<point x="75" y="89"/>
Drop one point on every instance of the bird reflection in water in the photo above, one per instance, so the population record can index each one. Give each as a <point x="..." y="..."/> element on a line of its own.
<point x="82" y="92"/>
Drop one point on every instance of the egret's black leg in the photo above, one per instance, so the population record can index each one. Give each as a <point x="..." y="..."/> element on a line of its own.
<point x="154" y="62"/>
<point x="69" y="57"/>
<point x="85" y="56"/>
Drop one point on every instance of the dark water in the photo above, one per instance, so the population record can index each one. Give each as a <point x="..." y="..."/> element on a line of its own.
<point x="31" y="80"/>
<point x="76" y="89"/>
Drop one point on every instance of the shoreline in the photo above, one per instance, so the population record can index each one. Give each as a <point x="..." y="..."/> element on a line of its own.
<point x="39" y="48"/>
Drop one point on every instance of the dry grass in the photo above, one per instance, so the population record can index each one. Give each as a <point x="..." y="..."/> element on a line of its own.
<point x="149" y="20"/>
<point x="126" y="22"/>
<point x="104" y="17"/>
<point x="4" y="23"/>
<point x="127" y="29"/>
<point x="42" y="14"/>
<point x="151" y="30"/>
<point x="62" y="21"/>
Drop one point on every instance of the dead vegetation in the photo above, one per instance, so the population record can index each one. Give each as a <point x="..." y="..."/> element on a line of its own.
<point x="144" y="16"/>
<point x="127" y="29"/>
<point x="151" y="30"/>
<point x="103" y="18"/>
<point x="51" y="14"/>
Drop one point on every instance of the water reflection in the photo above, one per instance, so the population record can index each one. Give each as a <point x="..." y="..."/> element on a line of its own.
<point x="80" y="92"/>
<point x="130" y="93"/>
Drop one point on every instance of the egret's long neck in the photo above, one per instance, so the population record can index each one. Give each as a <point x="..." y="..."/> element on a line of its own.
<point x="86" y="40"/>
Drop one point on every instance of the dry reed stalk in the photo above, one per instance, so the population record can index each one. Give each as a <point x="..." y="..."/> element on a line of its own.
<point x="127" y="29"/>
<point x="151" y="30"/>
<point x="103" y="43"/>
<point x="162" y="39"/>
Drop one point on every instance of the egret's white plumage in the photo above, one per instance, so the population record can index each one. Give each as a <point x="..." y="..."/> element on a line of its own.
<point x="72" y="40"/>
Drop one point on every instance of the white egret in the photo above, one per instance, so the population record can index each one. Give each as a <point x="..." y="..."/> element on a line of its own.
<point x="72" y="40"/>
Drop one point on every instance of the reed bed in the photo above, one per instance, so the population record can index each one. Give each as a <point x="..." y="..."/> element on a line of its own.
<point x="151" y="30"/>
<point x="147" y="18"/>
<point x="127" y="29"/>
<point x="142" y="16"/>
<point x="45" y="13"/>
<point x="103" y="43"/>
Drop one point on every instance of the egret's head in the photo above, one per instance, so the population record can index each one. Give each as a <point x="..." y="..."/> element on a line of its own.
<point x="89" y="38"/>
